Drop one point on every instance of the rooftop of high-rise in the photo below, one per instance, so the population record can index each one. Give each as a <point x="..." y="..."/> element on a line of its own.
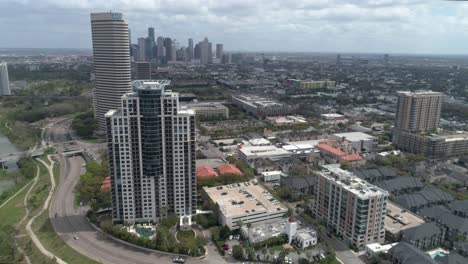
<point x="352" y="183"/>
<point x="420" y="92"/>
<point x="150" y="84"/>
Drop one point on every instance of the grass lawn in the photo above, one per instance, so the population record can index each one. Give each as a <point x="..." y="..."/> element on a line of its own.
<point x="186" y="237"/>
<point x="92" y="140"/>
<point x="13" y="211"/>
<point x="77" y="200"/>
<point x="46" y="233"/>
<point x="276" y="248"/>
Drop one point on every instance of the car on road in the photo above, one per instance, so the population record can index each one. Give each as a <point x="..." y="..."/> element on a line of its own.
<point x="178" y="259"/>
<point x="75" y="237"/>
<point x="226" y="247"/>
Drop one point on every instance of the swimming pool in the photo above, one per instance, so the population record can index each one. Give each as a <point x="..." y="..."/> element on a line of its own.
<point x="438" y="254"/>
<point x="144" y="232"/>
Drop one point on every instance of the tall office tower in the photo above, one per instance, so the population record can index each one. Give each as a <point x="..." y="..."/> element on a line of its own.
<point x="190" y="49"/>
<point x="129" y="37"/>
<point x="4" y="80"/>
<point x="173" y="52"/>
<point x="197" y="52"/>
<point x="338" y="59"/>
<point x="111" y="62"/>
<point x="351" y="207"/>
<point x="160" y="47"/>
<point x="418" y="111"/>
<point x="151" y="145"/>
<point x="142" y="71"/>
<point x="168" y="48"/>
<point x="219" y="51"/>
<point x="227" y="58"/>
<point x="205" y="49"/>
<point x="141" y="49"/>
<point x="149" y="49"/>
<point x="151" y="34"/>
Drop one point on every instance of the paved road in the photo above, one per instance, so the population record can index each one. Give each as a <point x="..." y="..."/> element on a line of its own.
<point x="71" y="221"/>
<point x="68" y="221"/>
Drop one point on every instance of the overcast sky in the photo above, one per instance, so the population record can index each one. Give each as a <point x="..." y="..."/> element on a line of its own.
<point x="380" y="26"/>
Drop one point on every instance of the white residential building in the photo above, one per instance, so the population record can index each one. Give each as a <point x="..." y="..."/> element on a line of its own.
<point x="247" y="202"/>
<point x="151" y="144"/>
<point x="351" y="207"/>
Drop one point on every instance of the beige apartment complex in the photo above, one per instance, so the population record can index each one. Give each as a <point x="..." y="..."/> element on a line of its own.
<point x="418" y="111"/>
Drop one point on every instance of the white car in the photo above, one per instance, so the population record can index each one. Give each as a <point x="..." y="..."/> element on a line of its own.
<point x="76" y="237"/>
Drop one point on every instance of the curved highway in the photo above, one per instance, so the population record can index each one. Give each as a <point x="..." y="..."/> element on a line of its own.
<point x="69" y="221"/>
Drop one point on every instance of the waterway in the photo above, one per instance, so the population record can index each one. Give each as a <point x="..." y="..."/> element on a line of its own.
<point x="7" y="147"/>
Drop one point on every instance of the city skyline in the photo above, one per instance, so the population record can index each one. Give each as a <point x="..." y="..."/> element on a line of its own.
<point x="321" y="26"/>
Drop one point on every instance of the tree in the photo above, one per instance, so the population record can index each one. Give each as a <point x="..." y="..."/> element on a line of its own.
<point x="283" y="192"/>
<point x="215" y="233"/>
<point x="346" y="166"/>
<point x="238" y="252"/>
<point x="162" y="242"/>
<point x="84" y="124"/>
<point x="309" y="255"/>
<point x="250" y="253"/>
<point x="225" y="232"/>
<point x="264" y="251"/>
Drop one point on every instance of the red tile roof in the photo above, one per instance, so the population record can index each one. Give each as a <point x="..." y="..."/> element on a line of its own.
<point x="105" y="185"/>
<point x="331" y="149"/>
<point x="339" y="153"/>
<point x="205" y="172"/>
<point x="352" y="157"/>
<point x="229" y="169"/>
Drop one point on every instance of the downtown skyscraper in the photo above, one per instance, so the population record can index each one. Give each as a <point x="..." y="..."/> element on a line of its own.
<point x="4" y="80"/>
<point x="151" y="145"/>
<point x="111" y="55"/>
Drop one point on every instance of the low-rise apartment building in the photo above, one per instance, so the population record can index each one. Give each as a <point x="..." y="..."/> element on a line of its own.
<point x="246" y="202"/>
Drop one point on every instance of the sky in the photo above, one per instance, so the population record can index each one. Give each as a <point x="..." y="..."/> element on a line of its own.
<point x="368" y="26"/>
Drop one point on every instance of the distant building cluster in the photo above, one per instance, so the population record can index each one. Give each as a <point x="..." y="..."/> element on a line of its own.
<point x="165" y="50"/>
<point x="303" y="84"/>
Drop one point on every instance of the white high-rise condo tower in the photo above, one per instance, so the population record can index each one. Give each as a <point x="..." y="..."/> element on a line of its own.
<point x="4" y="81"/>
<point x="111" y="62"/>
<point x="151" y="144"/>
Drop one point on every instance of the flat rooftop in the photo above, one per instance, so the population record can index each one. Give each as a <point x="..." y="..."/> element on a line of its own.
<point x="263" y="151"/>
<point x="240" y="199"/>
<point x="352" y="183"/>
<point x="206" y="106"/>
<point x="420" y="92"/>
<point x="354" y="136"/>
<point x="399" y="219"/>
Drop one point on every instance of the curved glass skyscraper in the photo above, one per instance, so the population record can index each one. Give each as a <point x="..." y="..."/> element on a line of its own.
<point x="111" y="63"/>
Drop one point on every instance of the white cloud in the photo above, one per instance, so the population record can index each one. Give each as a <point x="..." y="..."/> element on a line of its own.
<point x="305" y="25"/>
